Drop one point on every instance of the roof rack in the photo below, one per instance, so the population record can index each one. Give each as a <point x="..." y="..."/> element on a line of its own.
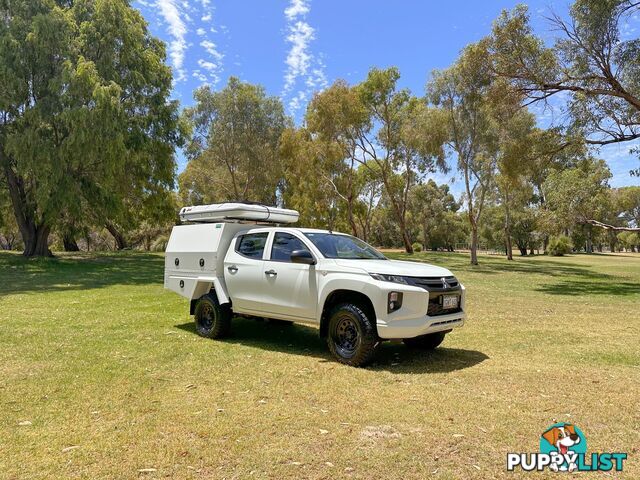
<point x="237" y="212"/>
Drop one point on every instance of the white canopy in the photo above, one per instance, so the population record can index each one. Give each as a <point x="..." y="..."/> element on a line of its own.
<point x="219" y="212"/>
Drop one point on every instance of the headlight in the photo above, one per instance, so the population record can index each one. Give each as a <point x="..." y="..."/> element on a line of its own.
<point x="383" y="277"/>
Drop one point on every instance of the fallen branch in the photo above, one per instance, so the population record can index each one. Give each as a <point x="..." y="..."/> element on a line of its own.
<point x="612" y="227"/>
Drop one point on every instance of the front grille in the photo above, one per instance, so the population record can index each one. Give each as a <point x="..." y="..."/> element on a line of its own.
<point x="437" y="287"/>
<point x="436" y="283"/>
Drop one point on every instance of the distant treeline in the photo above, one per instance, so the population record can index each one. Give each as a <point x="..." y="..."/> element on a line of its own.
<point x="89" y="135"/>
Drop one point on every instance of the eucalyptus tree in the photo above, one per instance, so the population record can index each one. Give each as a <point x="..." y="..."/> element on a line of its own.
<point x="462" y="92"/>
<point x="84" y="111"/>
<point x="430" y="205"/>
<point x="516" y="134"/>
<point x="385" y="131"/>
<point x="594" y="60"/>
<point x="233" y="152"/>
<point x="313" y="179"/>
<point x="575" y="195"/>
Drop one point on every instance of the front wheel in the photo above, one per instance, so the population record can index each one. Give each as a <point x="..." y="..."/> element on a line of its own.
<point x="352" y="337"/>
<point x="430" y="341"/>
<point x="212" y="319"/>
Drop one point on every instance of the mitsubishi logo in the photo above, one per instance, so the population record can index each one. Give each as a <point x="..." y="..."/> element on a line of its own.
<point x="444" y="283"/>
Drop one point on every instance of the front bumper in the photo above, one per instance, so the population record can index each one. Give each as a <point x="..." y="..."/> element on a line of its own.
<point x="419" y="326"/>
<point x="412" y="321"/>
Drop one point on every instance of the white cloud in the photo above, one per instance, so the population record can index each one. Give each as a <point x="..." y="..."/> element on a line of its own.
<point x="304" y="70"/>
<point x="211" y="49"/>
<point x="201" y="32"/>
<point x="297" y="101"/>
<point x="299" y="57"/>
<point x="206" y="18"/>
<point x="177" y="29"/>
<point x="296" y="8"/>
<point x="199" y="75"/>
<point x="210" y="66"/>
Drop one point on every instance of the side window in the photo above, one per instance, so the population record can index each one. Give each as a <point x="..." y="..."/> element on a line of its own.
<point x="252" y="244"/>
<point x="283" y="245"/>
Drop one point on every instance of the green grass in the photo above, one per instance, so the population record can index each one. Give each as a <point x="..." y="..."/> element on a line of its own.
<point x="97" y="356"/>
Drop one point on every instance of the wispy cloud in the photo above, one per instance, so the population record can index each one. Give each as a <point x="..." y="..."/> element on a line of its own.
<point x="304" y="70"/>
<point x="177" y="29"/>
<point x="211" y="49"/>
<point x="212" y="64"/>
<point x="299" y="57"/>
<point x="189" y="26"/>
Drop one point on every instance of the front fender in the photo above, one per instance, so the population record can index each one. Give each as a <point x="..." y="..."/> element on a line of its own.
<point x="340" y="281"/>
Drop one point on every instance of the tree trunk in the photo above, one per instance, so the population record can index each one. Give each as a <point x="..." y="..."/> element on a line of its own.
<point x="69" y="243"/>
<point x="121" y="242"/>
<point x="350" y="216"/>
<point x="613" y="240"/>
<point x="508" y="245"/>
<point x="405" y="238"/>
<point x="523" y="251"/>
<point x="474" y="244"/>
<point x="35" y="234"/>
<point x="507" y="228"/>
<point x="424" y="234"/>
<point x="36" y="242"/>
<point x="589" y="245"/>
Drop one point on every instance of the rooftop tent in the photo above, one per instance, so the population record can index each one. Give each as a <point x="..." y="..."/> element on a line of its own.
<point x="219" y="212"/>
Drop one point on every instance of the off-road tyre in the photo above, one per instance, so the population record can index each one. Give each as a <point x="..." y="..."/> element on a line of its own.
<point x="352" y="336"/>
<point x="212" y="319"/>
<point x="430" y="341"/>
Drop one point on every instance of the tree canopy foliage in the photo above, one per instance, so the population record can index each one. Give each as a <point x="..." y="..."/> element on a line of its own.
<point x="234" y="150"/>
<point x="592" y="60"/>
<point x="86" y="126"/>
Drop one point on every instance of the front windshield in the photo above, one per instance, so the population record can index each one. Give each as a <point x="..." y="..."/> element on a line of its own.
<point x="343" y="246"/>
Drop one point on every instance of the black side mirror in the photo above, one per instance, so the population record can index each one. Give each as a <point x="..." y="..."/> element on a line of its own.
<point x="302" y="256"/>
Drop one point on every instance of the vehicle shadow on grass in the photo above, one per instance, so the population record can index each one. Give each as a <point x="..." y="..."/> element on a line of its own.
<point x="305" y="341"/>
<point x="78" y="271"/>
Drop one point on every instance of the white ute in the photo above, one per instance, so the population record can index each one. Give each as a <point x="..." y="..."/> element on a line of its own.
<point x="228" y="264"/>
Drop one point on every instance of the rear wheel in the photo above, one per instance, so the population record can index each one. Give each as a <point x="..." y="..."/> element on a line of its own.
<point x="352" y="337"/>
<point x="212" y="319"/>
<point x="426" y="342"/>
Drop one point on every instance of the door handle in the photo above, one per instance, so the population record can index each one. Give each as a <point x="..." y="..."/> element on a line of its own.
<point x="272" y="273"/>
<point x="232" y="269"/>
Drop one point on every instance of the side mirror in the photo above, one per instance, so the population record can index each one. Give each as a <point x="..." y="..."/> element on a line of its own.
<point x="302" y="256"/>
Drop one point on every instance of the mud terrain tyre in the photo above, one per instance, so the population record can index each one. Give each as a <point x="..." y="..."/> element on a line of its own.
<point x="212" y="319"/>
<point x="352" y="336"/>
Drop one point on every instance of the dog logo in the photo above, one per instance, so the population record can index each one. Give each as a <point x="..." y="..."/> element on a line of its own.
<point x="563" y="448"/>
<point x="566" y="440"/>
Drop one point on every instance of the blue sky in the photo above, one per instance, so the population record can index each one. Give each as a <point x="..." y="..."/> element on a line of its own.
<point x="296" y="47"/>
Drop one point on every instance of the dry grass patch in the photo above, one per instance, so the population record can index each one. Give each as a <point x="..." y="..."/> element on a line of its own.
<point x="102" y="376"/>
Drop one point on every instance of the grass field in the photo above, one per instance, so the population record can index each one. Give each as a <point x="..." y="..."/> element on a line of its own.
<point x="102" y="376"/>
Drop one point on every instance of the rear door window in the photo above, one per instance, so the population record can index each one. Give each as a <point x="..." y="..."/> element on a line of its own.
<point x="252" y="244"/>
